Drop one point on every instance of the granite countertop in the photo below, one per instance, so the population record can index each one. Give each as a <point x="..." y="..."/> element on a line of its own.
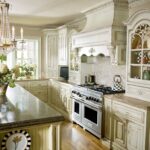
<point x="129" y="101"/>
<point x="20" y="108"/>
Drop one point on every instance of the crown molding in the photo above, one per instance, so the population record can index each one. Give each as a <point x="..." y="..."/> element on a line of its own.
<point x="103" y="5"/>
<point x="136" y="2"/>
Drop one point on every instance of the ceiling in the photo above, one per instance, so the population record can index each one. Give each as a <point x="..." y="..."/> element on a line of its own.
<point x="47" y="12"/>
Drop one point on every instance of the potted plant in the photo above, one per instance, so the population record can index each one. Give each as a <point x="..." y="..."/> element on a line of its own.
<point x="27" y="70"/>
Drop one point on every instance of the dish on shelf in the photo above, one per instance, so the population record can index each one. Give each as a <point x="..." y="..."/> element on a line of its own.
<point x="139" y="56"/>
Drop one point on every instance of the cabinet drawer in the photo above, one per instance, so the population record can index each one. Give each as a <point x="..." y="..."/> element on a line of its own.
<point x="129" y="113"/>
<point x="138" y="92"/>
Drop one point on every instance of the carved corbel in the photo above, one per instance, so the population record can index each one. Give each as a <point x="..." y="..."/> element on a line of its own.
<point x="112" y="53"/>
<point x="117" y="54"/>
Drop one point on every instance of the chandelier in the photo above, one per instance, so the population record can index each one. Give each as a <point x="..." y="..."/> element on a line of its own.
<point x="7" y="39"/>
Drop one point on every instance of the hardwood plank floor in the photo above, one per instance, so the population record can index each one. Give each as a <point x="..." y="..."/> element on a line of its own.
<point x="75" y="138"/>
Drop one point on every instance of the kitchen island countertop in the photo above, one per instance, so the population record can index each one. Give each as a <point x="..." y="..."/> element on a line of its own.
<point x="19" y="108"/>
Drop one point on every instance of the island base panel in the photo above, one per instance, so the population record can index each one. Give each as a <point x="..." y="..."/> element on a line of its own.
<point x="43" y="137"/>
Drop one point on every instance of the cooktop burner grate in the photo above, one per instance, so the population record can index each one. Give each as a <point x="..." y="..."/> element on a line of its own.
<point x="102" y="88"/>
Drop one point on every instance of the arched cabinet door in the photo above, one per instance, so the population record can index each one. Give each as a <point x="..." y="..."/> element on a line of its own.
<point x="138" y="55"/>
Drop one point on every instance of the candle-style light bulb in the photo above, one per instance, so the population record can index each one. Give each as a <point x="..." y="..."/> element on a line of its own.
<point x="13" y="33"/>
<point x="21" y="32"/>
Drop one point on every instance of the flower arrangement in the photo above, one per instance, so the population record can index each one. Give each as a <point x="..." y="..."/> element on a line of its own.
<point x="7" y="76"/>
<point x="27" y="70"/>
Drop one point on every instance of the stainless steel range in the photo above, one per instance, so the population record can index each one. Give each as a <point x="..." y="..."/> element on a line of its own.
<point x="87" y="106"/>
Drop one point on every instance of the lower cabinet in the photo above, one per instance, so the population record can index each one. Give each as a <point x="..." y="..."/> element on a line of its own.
<point x="60" y="97"/>
<point x="107" y="122"/>
<point x="119" y="129"/>
<point x="135" y="136"/>
<point x="125" y="126"/>
<point x="38" y="88"/>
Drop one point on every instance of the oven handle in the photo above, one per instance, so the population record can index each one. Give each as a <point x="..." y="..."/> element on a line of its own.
<point x="94" y="107"/>
<point x="77" y="100"/>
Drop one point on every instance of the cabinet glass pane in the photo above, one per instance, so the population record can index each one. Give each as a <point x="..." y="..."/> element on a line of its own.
<point x="146" y="73"/>
<point x="146" y="57"/>
<point x="136" y="57"/>
<point x="74" y="61"/>
<point x="141" y="37"/>
<point x="136" y="41"/>
<point x="136" y="72"/>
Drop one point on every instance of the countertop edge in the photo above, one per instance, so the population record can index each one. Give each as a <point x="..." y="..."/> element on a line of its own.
<point x="127" y="100"/>
<point x="26" y="123"/>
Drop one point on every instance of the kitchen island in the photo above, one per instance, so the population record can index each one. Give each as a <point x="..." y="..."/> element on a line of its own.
<point x="21" y="114"/>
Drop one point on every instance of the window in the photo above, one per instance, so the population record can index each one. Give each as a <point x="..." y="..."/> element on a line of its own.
<point x="28" y="53"/>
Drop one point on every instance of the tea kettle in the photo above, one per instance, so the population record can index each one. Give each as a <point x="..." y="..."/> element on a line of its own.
<point x="90" y="79"/>
<point x="117" y="85"/>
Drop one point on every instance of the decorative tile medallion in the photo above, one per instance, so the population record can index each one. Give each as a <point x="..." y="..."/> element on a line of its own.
<point x="16" y="140"/>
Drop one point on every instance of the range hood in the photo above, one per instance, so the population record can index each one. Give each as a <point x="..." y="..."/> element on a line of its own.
<point x="104" y="28"/>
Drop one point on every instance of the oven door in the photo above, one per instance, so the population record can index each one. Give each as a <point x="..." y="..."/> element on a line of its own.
<point x="77" y="111"/>
<point x="92" y="117"/>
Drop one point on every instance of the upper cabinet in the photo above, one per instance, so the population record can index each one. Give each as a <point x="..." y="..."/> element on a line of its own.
<point x="63" y="45"/>
<point x="138" y="55"/>
<point x="51" y="55"/>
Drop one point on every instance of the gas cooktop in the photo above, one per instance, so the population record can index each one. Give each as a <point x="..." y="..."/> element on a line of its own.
<point x="101" y="88"/>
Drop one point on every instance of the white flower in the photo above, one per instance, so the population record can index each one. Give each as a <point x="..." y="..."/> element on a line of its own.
<point x="3" y="69"/>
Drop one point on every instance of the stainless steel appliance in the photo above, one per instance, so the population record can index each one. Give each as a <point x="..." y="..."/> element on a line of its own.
<point x="87" y="109"/>
<point x="87" y="106"/>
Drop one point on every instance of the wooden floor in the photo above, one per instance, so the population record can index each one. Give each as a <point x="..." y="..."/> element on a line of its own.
<point x="75" y="138"/>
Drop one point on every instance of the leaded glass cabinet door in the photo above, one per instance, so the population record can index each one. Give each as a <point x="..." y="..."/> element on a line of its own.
<point x="140" y="53"/>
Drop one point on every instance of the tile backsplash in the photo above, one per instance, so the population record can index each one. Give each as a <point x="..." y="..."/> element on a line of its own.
<point x="103" y="70"/>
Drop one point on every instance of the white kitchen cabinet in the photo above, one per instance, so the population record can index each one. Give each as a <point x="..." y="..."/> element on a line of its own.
<point x="128" y="127"/>
<point x="55" y="94"/>
<point x="125" y="126"/>
<point x="38" y="88"/>
<point x="135" y="138"/>
<point x="107" y="122"/>
<point x="51" y="46"/>
<point x="63" y="45"/>
<point x="60" y="97"/>
<point x="119" y="125"/>
<point x="138" y="55"/>
<point x="74" y="61"/>
<point x="66" y="98"/>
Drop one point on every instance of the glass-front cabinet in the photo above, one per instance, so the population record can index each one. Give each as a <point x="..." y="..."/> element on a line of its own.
<point x="140" y="52"/>
<point x="138" y="55"/>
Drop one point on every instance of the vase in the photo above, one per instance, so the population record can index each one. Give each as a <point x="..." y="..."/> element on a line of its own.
<point x="3" y="89"/>
<point x="146" y="74"/>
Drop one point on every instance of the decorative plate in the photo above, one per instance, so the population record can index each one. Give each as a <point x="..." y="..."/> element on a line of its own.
<point x="16" y="140"/>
